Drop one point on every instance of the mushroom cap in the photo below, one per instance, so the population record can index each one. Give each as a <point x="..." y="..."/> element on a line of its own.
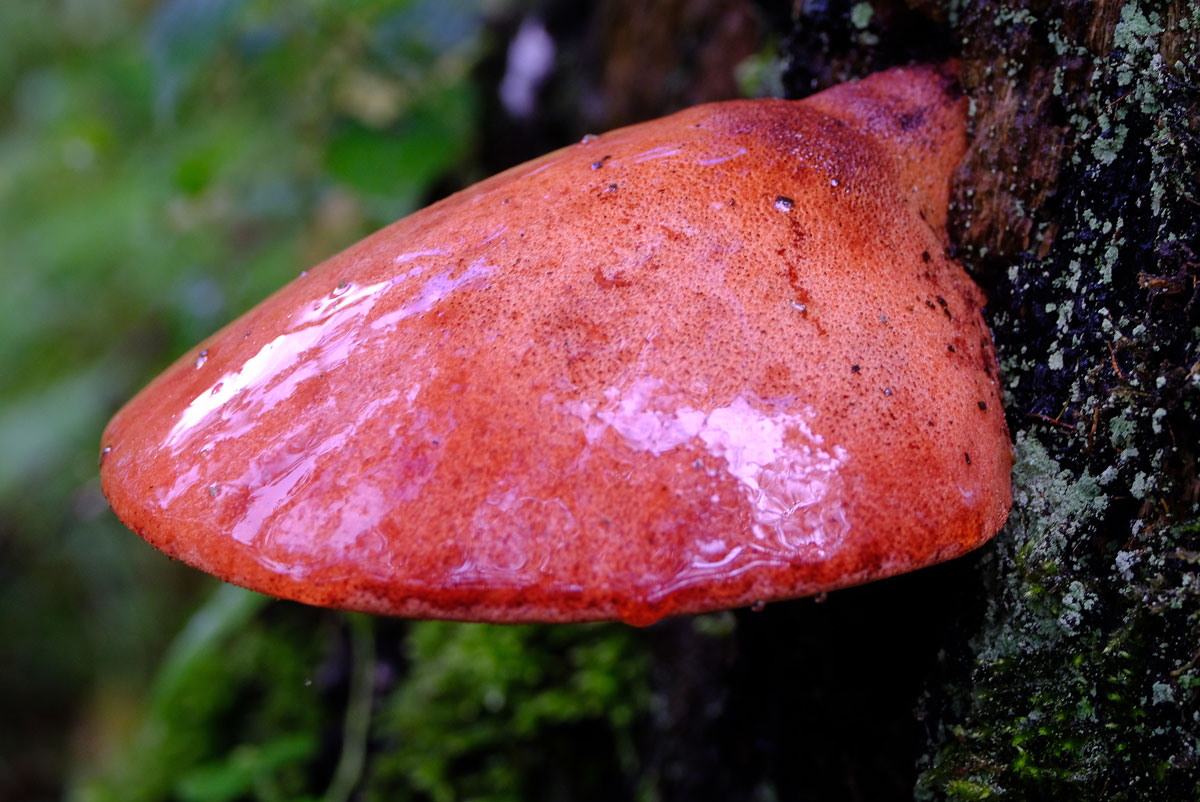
<point x="696" y="363"/>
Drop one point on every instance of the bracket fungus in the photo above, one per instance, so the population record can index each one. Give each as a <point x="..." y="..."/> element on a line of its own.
<point x="696" y="363"/>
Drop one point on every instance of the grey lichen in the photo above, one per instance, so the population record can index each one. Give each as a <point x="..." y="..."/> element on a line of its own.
<point x="1084" y="677"/>
<point x="1083" y="680"/>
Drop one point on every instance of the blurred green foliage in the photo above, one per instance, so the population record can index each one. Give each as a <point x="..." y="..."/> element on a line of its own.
<point x="163" y="166"/>
<point x="274" y="702"/>
<point x="215" y="727"/>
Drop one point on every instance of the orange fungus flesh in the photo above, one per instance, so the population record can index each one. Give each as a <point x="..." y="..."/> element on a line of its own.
<point x="692" y="364"/>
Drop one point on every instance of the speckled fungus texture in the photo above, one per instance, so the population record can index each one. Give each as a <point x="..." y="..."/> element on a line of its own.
<point x="709" y="360"/>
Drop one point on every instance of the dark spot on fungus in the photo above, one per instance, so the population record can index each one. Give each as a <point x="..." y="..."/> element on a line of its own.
<point x="911" y="120"/>
<point x="945" y="307"/>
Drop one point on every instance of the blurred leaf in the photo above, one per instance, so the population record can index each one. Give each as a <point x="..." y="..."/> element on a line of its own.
<point x="122" y="243"/>
<point x="39" y="429"/>
<point x="182" y="36"/>
<point x="227" y="610"/>
<point x="400" y="165"/>
<point x="243" y="769"/>
<point x="235" y="713"/>
<point x="422" y="31"/>
<point x="378" y="163"/>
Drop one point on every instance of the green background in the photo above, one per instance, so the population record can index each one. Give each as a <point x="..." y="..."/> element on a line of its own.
<point x="164" y="166"/>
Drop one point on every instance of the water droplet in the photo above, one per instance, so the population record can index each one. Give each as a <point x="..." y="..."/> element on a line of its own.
<point x="588" y="139"/>
<point x="784" y="203"/>
<point x="341" y="289"/>
<point x="820" y="598"/>
<point x="104" y="453"/>
<point x="201" y="358"/>
<point x="758" y="606"/>
<point x="833" y="182"/>
<point x="214" y="491"/>
<point x="887" y="390"/>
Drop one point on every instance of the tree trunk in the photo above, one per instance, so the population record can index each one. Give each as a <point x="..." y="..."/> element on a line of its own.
<point x="1078" y="208"/>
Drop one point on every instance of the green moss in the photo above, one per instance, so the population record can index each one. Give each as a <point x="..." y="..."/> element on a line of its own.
<point x="1079" y="685"/>
<point x="484" y="710"/>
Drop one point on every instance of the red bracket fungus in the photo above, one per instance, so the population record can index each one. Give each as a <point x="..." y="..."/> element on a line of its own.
<point x="692" y="364"/>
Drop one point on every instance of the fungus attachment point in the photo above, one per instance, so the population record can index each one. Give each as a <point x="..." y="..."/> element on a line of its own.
<point x="543" y="399"/>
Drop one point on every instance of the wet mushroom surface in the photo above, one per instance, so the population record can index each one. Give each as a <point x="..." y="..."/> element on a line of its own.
<point x="696" y="363"/>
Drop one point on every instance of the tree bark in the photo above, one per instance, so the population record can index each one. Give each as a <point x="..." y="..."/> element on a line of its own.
<point x="1078" y="208"/>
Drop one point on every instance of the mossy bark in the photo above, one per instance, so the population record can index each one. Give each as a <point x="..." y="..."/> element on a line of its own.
<point x="1077" y="207"/>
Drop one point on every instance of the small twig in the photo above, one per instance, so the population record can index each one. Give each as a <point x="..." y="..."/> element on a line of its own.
<point x="357" y="727"/>
<point x="1049" y="419"/>
<point x="1186" y="666"/>
<point x="1113" y="354"/>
